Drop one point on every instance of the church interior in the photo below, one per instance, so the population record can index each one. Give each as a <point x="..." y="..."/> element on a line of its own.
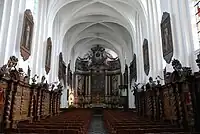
<point x="100" y="66"/>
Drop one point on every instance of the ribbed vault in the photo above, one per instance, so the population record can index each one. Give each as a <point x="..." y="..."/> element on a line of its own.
<point x="83" y="24"/>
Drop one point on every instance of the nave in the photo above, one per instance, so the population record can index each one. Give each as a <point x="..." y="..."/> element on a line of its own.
<point x="35" y="108"/>
<point x="99" y="66"/>
<point x="86" y="121"/>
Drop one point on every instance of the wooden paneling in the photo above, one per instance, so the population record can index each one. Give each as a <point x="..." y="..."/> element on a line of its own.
<point x="17" y="103"/>
<point x="25" y="103"/>
<point x="172" y="102"/>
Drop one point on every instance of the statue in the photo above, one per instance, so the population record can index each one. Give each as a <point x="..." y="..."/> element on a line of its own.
<point x="180" y="73"/>
<point x="43" y="79"/>
<point x="135" y="87"/>
<point x="34" y="78"/>
<point x="29" y="72"/>
<point x="151" y="82"/>
<point x="3" y="70"/>
<point x="12" y="63"/>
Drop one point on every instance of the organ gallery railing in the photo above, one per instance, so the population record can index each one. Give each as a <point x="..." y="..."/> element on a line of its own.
<point x="176" y="102"/>
<point x="21" y="101"/>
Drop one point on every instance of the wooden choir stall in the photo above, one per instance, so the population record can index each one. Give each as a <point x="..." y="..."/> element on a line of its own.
<point x="21" y="101"/>
<point x="175" y="102"/>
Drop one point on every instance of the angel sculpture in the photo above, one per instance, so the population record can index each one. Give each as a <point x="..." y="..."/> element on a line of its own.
<point x="135" y="88"/>
<point x="12" y="62"/>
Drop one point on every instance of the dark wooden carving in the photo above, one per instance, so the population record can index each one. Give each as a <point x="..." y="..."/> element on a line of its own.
<point x="179" y="74"/>
<point x="167" y="42"/>
<point x="97" y="59"/>
<point x="68" y="73"/>
<point x="146" y="57"/>
<point x="175" y="102"/>
<point x="198" y="60"/>
<point x="98" y="82"/>
<point x="27" y="34"/>
<point x="21" y="101"/>
<point x="48" y="55"/>
<point x="133" y="69"/>
<point x="126" y="75"/>
<point x="2" y="99"/>
<point x="62" y="69"/>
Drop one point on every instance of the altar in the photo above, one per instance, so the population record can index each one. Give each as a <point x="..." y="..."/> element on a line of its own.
<point x="97" y="79"/>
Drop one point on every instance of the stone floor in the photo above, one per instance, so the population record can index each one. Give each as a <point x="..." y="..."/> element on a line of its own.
<point x="97" y="125"/>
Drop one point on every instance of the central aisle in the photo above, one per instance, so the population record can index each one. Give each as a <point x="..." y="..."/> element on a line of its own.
<point x="97" y="124"/>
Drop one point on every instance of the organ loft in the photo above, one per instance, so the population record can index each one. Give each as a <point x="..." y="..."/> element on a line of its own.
<point x="99" y="66"/>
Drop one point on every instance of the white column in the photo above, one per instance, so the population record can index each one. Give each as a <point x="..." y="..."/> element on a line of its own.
<point x="36" y="46"/>
<point x="12" y="30"/>
<point x="4" y="28"/>
<point x="192" y="57"/>
<point x="158" y="42"/>
<point x="1" y="10"/>
<point x="119" y="80"/>
<point x="140" y="67"/>
<point x="76" y="85"/>
<point x="153" y="39"/>
<point x="183" y="28"/>
<point x="90" y="84"/>
<point x="142" y="74"/>
<point x="106" y="86"/>
<point x="185" y="17"/>
<point x="73" y="81"/>
<point x="22" y="64"/>
<point x="76" y="89"/>
<point x="106" y="83"/>
<point x="42" y="42"/>
<point x="86" y="85"/>
<point x="151" y="54"/>
<point x="56" y="49"/>
<point x="178" y="35"/>
<point x="109" y="85"/>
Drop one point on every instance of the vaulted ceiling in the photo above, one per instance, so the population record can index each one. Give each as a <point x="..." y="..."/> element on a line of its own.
<point x="81" y="24"/>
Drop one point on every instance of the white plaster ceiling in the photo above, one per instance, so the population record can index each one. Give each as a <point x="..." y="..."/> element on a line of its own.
<point x="86" y="23"/>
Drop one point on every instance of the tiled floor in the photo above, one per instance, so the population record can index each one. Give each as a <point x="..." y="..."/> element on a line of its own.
<point x="96" y="125"/>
